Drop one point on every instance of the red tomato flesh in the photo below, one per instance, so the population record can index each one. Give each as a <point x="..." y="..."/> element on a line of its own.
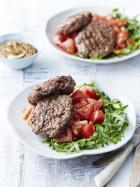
<point x="77" y="96"/>
<point x="85" y="112"/>
<point x="68" y="46"/>
<point x="97" y="104"/>
<point x="81" y="104"/>
<point x="97" y="117"/>
<point x="89" y="93"/>
<point x="58" y="39"/>
<point x="76" y="127"/>
<point x="87" y="130"/>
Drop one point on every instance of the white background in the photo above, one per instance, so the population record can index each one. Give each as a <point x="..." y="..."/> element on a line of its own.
<point x="18" y="166"/>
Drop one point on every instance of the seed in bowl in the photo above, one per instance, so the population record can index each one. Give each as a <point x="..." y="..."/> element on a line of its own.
<point x="16" y="49"/>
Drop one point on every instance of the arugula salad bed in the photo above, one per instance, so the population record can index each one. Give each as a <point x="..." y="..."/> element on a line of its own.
<point x="109" y="131"/>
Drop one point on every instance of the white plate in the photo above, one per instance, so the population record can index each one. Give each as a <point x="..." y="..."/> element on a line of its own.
<point x="58" y="19"/>
<point x="24" y="132"/>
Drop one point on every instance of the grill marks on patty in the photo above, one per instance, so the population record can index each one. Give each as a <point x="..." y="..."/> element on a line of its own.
<point x="51" y="116"/>
<point x="59" y="85"/>
<point x="96" y="39"/>
<point x="53" y="107"/>
<point x="75" y="23"/>
<point x="93" y="37"/>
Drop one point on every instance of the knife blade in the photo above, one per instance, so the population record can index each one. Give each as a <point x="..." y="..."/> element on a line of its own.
<point x="134" y="180"/>
<point x="111" y="169"/>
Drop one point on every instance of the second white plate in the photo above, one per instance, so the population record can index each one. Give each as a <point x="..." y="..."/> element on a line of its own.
<point x="58" y="19"/>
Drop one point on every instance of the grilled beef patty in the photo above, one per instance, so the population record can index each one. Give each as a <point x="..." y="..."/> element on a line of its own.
<point x="74" y="23"/>
<point x="51" y="116"/>
<point x="59" y="85"/>
<point x="96" y="39"/>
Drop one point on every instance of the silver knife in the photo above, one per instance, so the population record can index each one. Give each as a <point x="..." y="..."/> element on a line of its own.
<point x="134" y="180"/>
<point x="111" y="169"/>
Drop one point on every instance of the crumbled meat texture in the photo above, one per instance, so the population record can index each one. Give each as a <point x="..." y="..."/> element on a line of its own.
<point x="59" y="85"/>
<point x="96" y="39"/>
<point x="51" y="116"/>
<point x="75" y="23"/>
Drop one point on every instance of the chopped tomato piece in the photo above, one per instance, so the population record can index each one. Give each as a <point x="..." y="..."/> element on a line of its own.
<point x="68" y="137"/>
<point x="97" y="117"/>
<point x="76" y="127"/>
<point x="90" y="93"/>
<point x="68" y="46"/>
<point x="77" y="116"/>
<point x="87" y="130"/>
<point x="122" y="38"/>
<point x="58" y="39"/>
<point x="92" y="101"/>
<point x="97" y="104"/>
<point x="85" y="112"/>
<point x="77" y="96"/>
<point x="81" y="104"/>
<point x="120" y="22"/>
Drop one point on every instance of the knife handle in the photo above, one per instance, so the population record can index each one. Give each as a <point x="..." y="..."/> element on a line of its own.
<point x="106" y="174"/>
<point x="135" y="171"/>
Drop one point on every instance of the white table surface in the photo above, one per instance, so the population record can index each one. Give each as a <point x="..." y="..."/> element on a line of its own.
<point x="19" y="167"/>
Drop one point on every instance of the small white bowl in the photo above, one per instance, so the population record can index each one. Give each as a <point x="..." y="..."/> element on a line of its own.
<point x="27" y="37"/>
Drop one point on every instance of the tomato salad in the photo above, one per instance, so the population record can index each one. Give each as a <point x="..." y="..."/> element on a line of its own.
<point x="97" y="121"/>
<point x="126" y="32"/>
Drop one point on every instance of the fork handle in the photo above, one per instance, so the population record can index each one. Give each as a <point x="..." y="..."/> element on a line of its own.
<point x="106" y="174"/>
<point x="134" y="180"/>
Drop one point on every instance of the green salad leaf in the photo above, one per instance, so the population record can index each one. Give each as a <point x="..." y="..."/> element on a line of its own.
<point x="110" y="131"/>
<point x="116" y="13"/>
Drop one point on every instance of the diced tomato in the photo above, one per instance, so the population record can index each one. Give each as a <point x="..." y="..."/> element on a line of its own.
<point x="97" y="117"/>
<point x="68" y="46"/>
<point x="89" y="93"/>
<point x="85" y="112"/>
<point x="97" y="104"/>
<point x="123" y="36"/>
<point x="81" y="104"/>
<point x="77" y="116"/>
<point x="120" y="22"/>
<point x="77" y="96"/>
<point x="92" y="101"/>
<point x="58" y="39"/>
<point x="68" y="137"/>
<point x="87" y="130"/>
<point x="76" y="127"/>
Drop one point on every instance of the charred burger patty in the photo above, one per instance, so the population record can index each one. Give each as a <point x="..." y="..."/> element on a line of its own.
<point x="56" y="86"/>
<point x="51" y="116"/>
<point x="96" y="39"/>
<point x="74" y="23"/>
